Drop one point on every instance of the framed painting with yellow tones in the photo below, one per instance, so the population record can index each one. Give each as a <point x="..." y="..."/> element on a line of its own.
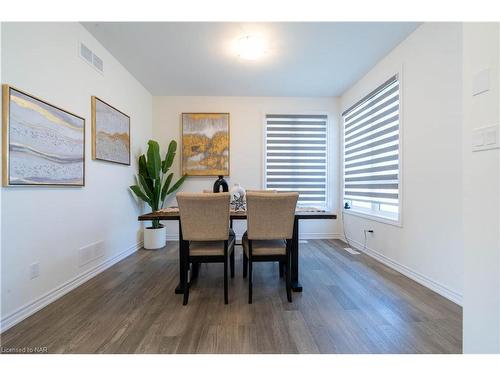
<point x="42" y="145"/>
<point x="205" y="144"/>
<point x="110" y="133"/>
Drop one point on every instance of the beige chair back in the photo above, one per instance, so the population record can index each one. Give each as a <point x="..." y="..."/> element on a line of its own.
<point x="262" y="191"/>
<point x="204" y="216"/>
<point x="270" y="216"/>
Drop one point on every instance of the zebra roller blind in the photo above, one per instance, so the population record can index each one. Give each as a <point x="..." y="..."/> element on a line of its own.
<point x="296" y="156"/>
<point x="371" y="149"/>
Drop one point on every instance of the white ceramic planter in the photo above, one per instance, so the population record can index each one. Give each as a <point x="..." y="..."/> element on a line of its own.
<point x="155" y="238"/>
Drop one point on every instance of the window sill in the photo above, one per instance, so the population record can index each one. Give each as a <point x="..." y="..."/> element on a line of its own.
<point x="371" y="216"/>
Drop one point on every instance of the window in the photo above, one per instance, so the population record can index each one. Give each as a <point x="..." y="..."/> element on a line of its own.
<point x="296" y="156"/>
<point x="371" y="153"/>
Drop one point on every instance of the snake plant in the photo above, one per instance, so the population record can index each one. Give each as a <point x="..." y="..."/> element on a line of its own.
<point x="153" y="180"/>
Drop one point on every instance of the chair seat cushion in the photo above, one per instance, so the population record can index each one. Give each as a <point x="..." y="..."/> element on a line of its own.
<point x="265" y="247"/>
<point x="209" y="248"/>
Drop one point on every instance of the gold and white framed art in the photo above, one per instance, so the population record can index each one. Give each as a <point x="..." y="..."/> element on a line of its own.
<point x="43" y="145"/>
<point x="205" y="144"/>
<point x="110" y="133"/>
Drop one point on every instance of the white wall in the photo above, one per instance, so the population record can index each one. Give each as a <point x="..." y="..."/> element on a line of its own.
<point x="247" y="143"/>
<point x="428" y="246"/>
<point x="1" y="170"/>
<point x="49" y="225"/>
<point x="481" y="181"/>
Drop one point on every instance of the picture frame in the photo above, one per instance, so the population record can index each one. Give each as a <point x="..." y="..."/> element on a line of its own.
<point x="205" y="143"/>
<point x="110" y="133"/>
<point x="42" y="144"/>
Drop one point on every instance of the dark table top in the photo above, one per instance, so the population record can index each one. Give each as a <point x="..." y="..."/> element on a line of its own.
<point x="172" y="213"/>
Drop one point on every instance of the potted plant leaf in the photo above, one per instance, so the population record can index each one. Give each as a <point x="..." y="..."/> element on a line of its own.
<point x="153" y="187"/>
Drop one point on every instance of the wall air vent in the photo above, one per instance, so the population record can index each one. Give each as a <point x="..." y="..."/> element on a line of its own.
<point x="91" y="58"/>
<point x="85" y="53"/>
<point x="97" y="62"/>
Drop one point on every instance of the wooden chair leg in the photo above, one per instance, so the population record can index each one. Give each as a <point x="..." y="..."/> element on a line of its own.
<point x="288" y="271"/>
<point x="250" y="272"/>
<point x="250" y="281"/>
<point x="245" y="265"/>
<point x="231" y="263"/>
<point x="185" y="283"/>
<point x="226" y="299"/>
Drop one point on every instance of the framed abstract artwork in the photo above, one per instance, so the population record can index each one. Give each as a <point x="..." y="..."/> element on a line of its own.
<point x="110" y="133"/>
<point x="43" y="145"/>
<point x="205" y="144"/>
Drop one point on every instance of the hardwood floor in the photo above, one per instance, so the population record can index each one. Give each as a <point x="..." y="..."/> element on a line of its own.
<point x="350" y="304"/>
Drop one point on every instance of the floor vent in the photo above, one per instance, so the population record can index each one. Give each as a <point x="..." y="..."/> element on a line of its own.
<point x="91" y="58"/>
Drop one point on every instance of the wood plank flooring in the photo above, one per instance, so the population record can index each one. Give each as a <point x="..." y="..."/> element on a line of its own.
<point x="350" y="304"/>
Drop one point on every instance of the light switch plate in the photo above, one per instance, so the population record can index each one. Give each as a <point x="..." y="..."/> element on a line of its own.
<point x="485" y="138"/>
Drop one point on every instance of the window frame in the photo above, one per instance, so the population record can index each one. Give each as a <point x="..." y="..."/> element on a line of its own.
<point x="372" y="214"/>
<point x="328" y="174"/>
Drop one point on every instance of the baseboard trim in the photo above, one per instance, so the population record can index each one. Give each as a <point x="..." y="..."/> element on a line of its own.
<point x="410" y="273"/>
<point x="56" y="293"/>
<point x="172" y="237"/>
<point x="319" y="236"/>
<point x="302" y="236"/>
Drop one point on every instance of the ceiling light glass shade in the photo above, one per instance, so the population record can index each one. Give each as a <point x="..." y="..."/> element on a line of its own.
<point x="251" y="47"/>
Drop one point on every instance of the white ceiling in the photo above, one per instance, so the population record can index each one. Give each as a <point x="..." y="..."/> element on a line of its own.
<point x="197" y="58"/>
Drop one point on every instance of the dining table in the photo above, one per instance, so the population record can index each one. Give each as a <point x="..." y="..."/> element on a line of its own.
<point x="301" y="213"/>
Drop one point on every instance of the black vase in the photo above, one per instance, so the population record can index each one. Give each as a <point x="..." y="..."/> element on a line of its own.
<point x="221" y="182"/>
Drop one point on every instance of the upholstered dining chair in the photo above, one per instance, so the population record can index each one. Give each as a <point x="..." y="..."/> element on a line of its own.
<point x="205" y="230"/>
<point x="231" y="230"/>
<point x="270" y="218"/>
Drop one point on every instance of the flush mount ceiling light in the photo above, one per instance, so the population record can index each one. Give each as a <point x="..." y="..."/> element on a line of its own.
<point x="251" y="47"/>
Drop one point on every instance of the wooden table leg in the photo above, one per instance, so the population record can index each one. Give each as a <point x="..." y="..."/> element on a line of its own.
<point x="195" y="267"/>
<point x="179" y="289"/>
<point x="296" y="286"/>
